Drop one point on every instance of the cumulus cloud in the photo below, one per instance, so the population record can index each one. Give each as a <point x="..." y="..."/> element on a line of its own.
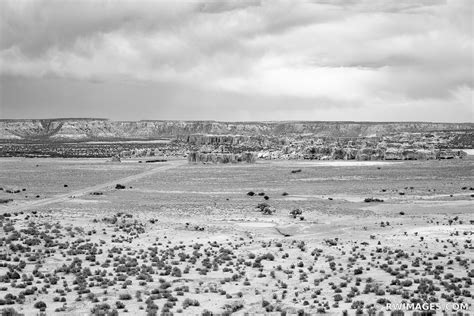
<point x="373" y="56"/>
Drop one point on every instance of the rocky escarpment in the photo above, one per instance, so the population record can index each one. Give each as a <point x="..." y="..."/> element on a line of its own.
<point x="101" y="129"/>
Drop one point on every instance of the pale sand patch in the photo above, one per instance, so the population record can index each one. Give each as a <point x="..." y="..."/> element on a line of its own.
<point x="442" y="230"/>
<point x="437" y="196"/>
<point x="353" y="163"/>
<point x="304" y="228"/>
<point x="295" y="199"/>
<point x="469" y="152"/>
<point x="332" y="163"/>
<point x="350" y="198"/>
<point x="404" y="198"/>
<point x="304" y="197"/>
<point x="338" y="178"/>
<point x="83" y="201"/>
<point x="457" y="203"/>
<point x="423" y="206"/>
<point x="185" y="192"/>
<point x="256" y="224"/>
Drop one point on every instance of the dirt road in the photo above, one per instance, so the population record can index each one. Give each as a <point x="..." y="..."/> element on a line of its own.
<point x="83" y="191"/>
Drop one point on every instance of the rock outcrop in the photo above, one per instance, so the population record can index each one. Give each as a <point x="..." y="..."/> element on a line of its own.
<point x="225" y="141"/>
<point x="199" y="157"/>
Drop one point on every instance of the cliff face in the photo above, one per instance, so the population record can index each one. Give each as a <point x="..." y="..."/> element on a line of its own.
<point x="100" y="129"/>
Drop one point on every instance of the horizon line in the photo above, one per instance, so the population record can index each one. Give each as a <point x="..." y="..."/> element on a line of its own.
<point x="217" y="121"/>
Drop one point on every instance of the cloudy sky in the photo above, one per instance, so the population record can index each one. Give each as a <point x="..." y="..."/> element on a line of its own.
<point x="367" y="60"/>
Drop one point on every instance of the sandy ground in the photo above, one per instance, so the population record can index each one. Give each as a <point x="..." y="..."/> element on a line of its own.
<point x="189" y="239"/>
<point x="107" y="185"/>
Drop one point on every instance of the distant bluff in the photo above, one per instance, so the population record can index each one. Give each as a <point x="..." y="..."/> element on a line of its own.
<point x="103" y="129"/>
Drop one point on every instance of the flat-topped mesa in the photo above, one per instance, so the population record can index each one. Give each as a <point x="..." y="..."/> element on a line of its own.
<point x="101" y="129"/>
<point x="42" y="130"/>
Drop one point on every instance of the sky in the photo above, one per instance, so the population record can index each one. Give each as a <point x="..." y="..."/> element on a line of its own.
<point x="248" y="60"/>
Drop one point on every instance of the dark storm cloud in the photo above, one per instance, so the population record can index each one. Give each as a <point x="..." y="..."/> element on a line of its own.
<point x="35" y="26"/>
<point x="321" y="58"/>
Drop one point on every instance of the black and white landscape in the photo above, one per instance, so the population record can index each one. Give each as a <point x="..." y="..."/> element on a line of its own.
<point x="226" y="157"/>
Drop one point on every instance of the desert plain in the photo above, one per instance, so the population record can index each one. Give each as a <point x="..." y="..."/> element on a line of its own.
<point x="91" y="236"/>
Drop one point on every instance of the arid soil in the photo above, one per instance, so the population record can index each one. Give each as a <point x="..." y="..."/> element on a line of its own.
<point x="337" y="238"/>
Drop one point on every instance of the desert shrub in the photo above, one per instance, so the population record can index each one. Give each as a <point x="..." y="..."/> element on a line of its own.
<point x="10" y="311"/>
<point x="406" y="283"/>
<point x="232" y="308"/>
<point x="190" y="302"/>
<point x="40" y="305"/>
